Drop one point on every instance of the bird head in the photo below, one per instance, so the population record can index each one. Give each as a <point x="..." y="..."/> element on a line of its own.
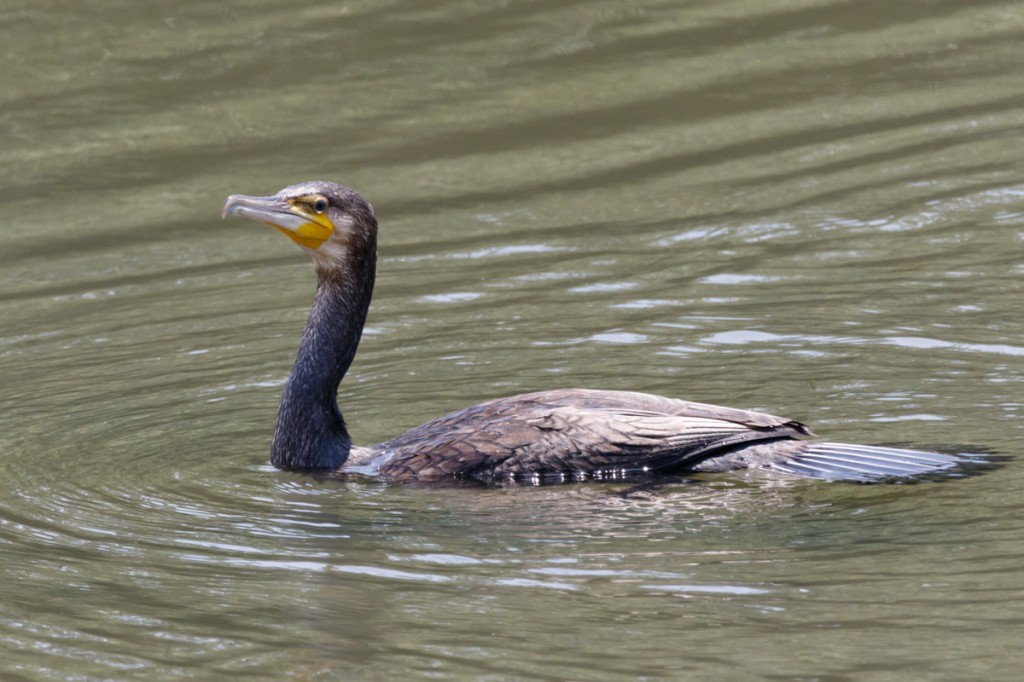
<point x="324" y="218"/>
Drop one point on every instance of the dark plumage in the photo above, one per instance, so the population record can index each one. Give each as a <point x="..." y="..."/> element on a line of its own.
<point x="563" y="435"/>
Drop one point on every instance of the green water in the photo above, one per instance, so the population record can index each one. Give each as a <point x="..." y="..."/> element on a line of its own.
<point x="808" y="208"/>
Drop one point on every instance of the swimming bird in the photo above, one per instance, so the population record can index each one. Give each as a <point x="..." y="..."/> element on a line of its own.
<point x="546" y="436"/>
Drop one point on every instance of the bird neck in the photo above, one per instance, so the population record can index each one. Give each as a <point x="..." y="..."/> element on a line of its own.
<point x="311" y="433"/>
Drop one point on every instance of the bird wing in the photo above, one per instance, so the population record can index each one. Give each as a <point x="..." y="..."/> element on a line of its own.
<point x="574" y="434"/>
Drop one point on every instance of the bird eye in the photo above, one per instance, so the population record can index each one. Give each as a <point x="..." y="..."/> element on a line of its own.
<point x="320" y="204"/>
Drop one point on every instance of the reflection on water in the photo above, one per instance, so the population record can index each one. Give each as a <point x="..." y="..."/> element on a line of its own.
<point x="811" y="208"/>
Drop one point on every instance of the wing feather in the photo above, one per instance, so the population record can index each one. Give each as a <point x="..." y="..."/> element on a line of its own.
<point x="574" y="433"/>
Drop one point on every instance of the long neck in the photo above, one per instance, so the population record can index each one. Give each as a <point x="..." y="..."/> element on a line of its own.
<point x="311" y="433"/>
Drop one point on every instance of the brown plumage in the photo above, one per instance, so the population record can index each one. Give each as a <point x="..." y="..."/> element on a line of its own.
<point x="574" y="433"/>
<point x="549" y="436"/>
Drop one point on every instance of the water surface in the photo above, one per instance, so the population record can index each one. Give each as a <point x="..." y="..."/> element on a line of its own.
<point x="809" y="208"/>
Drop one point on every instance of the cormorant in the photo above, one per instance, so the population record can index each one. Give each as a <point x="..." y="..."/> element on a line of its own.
<point x="547" y="436"/>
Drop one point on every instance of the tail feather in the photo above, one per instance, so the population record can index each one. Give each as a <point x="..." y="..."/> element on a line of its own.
<point x="841" y="461"/>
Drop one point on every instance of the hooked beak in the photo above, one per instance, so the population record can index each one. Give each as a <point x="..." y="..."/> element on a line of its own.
<point x="293" y="219"/>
